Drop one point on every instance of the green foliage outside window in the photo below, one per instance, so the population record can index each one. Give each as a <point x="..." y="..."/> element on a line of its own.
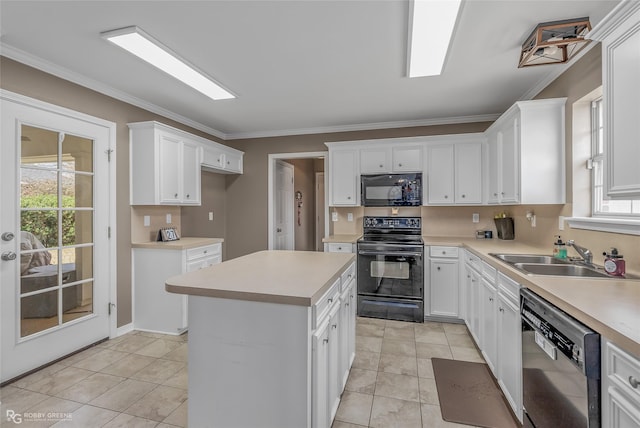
<point x="44" y="223"/>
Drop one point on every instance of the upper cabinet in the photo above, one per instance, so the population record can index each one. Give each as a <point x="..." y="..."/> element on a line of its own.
<point x="619" y="33"/>
<point x="344" y="177"/>
<point x="383" y="158"/>
<point x="165" y="164"/>
<point x="526" y="161"/>
<point x="219" y="158"/>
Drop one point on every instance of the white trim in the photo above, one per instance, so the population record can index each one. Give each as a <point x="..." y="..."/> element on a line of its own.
<point x="79" y="79"/>
<point x="273" y="157"/>
<point x="127" y="328"/>
<point x="613" y="225"/>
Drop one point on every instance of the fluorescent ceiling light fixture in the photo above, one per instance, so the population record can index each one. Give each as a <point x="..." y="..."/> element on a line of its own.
<point x="431" y="25"/>
<point x="145" y="47"/>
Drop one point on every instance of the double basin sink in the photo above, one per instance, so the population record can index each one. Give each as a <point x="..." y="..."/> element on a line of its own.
<point x="547" y="265"/>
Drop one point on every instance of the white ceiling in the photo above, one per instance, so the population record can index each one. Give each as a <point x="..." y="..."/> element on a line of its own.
<point x="296" y="66"/>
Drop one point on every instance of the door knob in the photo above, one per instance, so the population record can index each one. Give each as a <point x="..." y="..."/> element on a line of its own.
<point x="8" y="255"/>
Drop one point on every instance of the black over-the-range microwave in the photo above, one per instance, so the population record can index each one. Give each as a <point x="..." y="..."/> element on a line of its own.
<point x="391" y="190"/>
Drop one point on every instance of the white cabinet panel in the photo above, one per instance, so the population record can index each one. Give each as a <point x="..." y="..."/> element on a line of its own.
<point x="440" y="170"/>
<point x="488" y="333"/>
<point x="468" y="174"/>
<point x="455" y="173"/>
<point x="407" y="159"/>
<point x="343" y="178"/>
<point x="375" y="160"/>
<point x="443" y="290"/>
<point x="620" y="387"/>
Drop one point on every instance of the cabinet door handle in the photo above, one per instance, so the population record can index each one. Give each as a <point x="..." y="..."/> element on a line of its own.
<point x="188" y="195"/>
<point x="380" y="165"/>
<point x="175" y="196"/>
<point x="325" y="341"/>
<point x="446" y="196"/>
<point x="464" y="196"/>
<point x="334" y="326"/>
<point x="330" y="300"/>
<point x="633" y="382"/>
<point x="400" y="164"/>
<point x="501" y="309"/>
<point x="491" y="299"/>
<point x="438" y="267"/>
<point x="495" y="194"/>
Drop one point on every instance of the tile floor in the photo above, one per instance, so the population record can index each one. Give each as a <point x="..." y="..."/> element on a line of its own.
<point x="140" y="380"/>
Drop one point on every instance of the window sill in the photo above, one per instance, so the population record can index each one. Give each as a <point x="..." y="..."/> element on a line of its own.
<point x="613" y="225"/>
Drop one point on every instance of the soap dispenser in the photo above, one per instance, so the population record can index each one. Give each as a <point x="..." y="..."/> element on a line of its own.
<point x="614" y="264"/>
<point x="559" y="248"/>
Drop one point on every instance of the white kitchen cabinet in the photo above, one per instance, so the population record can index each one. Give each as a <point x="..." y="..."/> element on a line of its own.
<point x="619" y="33"/>
<point x="472" y="294"/>
<point x="222" y="159"/>
<point x="454" y="172"/>
<point x="620" y="387"/>
<point x="406" y="158"/>
<point x="375" y="160"/>
<point x="344" y="177"/>
<point x="443" y="287"/>
<point x="488" y="330"/>
<point x="164" y="165"/>
<point x="155" y="309"/>
<point x="320" y="376"/>
<point x="339" y="247"/>
<point x="526" y="154"/>
<point x="347" y="324"/>
<point x="509" y="343"/>
<point x="390" y="158"/>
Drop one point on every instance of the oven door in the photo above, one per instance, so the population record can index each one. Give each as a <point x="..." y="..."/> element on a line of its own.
<point x="393" y="272"/>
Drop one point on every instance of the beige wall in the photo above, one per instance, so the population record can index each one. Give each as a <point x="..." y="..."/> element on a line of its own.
<point x="28" y="81"/>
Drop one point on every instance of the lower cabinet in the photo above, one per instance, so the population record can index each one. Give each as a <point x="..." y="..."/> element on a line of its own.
<point x="472" y="294"/>
<point x="443" y="271"/>
<point x="488" y="318"/>
<point x="620" y="387"/>
<point x="339" y="247"/>
<point x="155" y="309"/>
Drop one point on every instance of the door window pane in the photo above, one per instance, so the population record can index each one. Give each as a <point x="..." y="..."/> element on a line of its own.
<point x="77" y="154"/>
<point x="38" y="188"/>
<point x="77" y="301"/>
<point x="39" y="147"/>
<point x="78" y="227"/>
<point x="38" y="312"/>
<point x="77" y="190"/>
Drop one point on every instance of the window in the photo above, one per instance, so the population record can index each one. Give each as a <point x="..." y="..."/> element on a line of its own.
<point x="603" y="207"/>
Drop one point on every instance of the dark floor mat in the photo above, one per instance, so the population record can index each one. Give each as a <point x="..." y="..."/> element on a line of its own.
<point x="469" y="395"/>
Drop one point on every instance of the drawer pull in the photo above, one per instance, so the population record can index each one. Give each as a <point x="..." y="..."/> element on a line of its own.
<point x="633" y="382"/>
<point x="334" y="326"/>
<point x="330" y="300"/>
<point x="325" y="341"/>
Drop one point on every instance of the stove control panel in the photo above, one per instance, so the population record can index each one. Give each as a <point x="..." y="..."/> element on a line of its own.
<point x="392" y="222"/>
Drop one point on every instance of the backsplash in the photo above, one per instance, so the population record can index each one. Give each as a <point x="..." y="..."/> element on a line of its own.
<point x="157" y="219"/>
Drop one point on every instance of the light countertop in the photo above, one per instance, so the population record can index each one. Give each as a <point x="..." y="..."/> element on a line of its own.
<point x="347" y="239"/>
<point x="181" y="244"/>
<point x="286" y="277"/>
<point x="609" y="306"/>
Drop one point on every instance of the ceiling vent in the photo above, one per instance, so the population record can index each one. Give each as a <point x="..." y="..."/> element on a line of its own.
<point x="554" y="42"/>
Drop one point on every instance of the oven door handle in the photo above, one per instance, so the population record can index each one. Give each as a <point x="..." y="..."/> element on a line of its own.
<point x="389" y="253"/>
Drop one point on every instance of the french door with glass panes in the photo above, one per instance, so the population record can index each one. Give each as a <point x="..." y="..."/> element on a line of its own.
<point x="56" y="267"/>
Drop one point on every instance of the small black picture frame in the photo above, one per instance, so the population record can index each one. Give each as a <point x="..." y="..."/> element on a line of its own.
<point x="168" y="234"/>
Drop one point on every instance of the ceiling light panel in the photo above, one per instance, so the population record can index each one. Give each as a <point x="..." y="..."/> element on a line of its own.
<point x="145" y="47"/>
<point x="431" y="24"/>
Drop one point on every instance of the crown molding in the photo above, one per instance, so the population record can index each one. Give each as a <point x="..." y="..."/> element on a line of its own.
<point x="366" y="126"/>
<point x="79" y="79"/>
<point x="613" y="19"/>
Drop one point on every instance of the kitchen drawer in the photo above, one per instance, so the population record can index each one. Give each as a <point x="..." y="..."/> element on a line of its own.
<point x="347" y="276"/>
<point x="509" y="287"/>
<point x="623" y="370"/>
<point x="488" y="271"/>
<point x="340" y="247"/>
<point x="473" y="260"/>
<point x="323" y="306"/>
<point x="438" y="251"/>
<point x="204" y="251"/>
<point x="202" y="263"/>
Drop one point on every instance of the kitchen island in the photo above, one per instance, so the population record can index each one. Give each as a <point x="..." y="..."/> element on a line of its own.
<point x="271" y="338"/>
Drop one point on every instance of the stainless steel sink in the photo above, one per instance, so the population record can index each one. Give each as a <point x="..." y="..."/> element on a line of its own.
<point x="529" y="258"/>
<point x="561" y="270"/>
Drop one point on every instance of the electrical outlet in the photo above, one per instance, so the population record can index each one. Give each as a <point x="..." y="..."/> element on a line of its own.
<point x="475" y="217"/>
<point x="561" y="222"/>
<point x="147" y="220"/>
<point x="210" y="215"/>
<point x="349" y="216"/>
<point x="533" y="220"/>
<point x="334" y="216"/>
<point x="168" y="218"/>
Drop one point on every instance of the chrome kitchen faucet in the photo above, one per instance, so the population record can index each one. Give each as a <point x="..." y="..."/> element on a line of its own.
<point x="585" y="253"/>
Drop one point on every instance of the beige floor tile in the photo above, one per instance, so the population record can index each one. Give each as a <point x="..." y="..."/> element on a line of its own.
<point x="434" y="337"/>
<point x="428" y="350"/>
<point x="355" y="408"/>
<point x="368" y="344"/>
<point x="19" y="400"/>
<point x="402" y="387"/>
<point x="366" y="360"/>
<point x="90" y="388"/>
<point x="75" y="358"/>
<point x="179" y="380"/>
<point x="123" y="395"/>
<point x="128" y="366"/>
<point x="158" y="404"/>
<point x="397" y="333"/>
<point x="159" y="371"/>
<point x="129" y="421"/>
<point x="59" y="381"/>
<point x="391" y="363"/>
<point x="467" y="354"/>
<point x="132" y="343"/>
<point x="425" y="368"/>
<point x="429" y="326"/>
<point x="363" y="381"/>
<point x="399" y="324"/>
<point x="54" y="409"/>
<point x="432" y="418"/>
<point x="40" y="374"/>
<point x="158" y="348"/>
<point x="178" y="354"/>
<point x="428" y="391"/>
<point x="460" y="340"/>
<point x="179" y="416"/>
<point x="375" y="321"/>
<point x="393" y="413"/>
<point x="371" y="330"/>
<point x="86" y="417"/>
<point x="451" y="328"/>
<point x="405" y="348"/>
<point x="100" y="360"/>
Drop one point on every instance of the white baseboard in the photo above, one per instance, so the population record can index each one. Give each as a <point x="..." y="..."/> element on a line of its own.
<point x="127" y="328"/>
<point x="177" y="333"/>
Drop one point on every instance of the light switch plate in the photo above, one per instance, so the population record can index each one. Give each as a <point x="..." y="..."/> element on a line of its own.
<point x="210" y="215"/>
<point x="349" y="216"/>
<point x="561" y="222"/>
<point x="147" y="220"/>
<point x="334" y="216"/>
<point x="475" y="217"/>
<point x="168" y="218"/>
